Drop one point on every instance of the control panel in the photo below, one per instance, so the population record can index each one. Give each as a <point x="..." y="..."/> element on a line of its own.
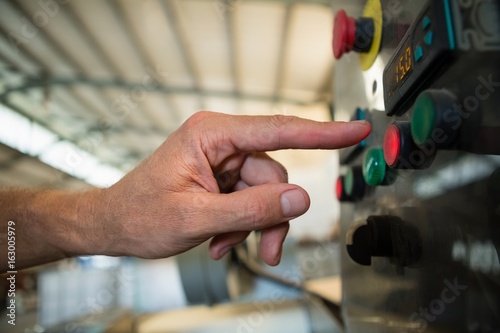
<point x="425" y="50"/>
<point x="420" y="197"/>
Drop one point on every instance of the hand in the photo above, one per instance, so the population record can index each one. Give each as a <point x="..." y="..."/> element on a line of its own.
<point x="211" y="178"/>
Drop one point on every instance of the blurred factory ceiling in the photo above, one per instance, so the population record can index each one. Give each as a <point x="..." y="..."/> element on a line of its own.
<point x="112" y="79"/>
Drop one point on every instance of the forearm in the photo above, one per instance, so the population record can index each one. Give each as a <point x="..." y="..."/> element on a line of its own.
<point x="48" y="225"/>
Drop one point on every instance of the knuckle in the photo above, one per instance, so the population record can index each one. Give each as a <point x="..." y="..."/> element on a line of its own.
<point x="278" y="120"/>
<point x="198" y="118"/>
<point x="259" y="213"/>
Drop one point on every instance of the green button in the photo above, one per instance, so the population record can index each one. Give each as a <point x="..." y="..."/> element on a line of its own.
<point x="374" y="167"/>
<point x="348" y="181"/>
<point x="423" y="120"/>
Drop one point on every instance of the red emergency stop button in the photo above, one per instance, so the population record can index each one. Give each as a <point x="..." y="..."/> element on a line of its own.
<point x="344" y="34"/>
<point x="350" y="34"/>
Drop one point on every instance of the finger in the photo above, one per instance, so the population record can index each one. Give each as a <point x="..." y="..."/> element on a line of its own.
<point x="271" y="243"/>
<point x="260" y="168"/>
<point x="254" y="169"/>
<point x="253" y="208"/>
<point x="227" y="173"/>
<point x="265" y="133"/>
<point x="240" y="185"/>
<point x="221" y="244"/>
<point x="227" y="180"/>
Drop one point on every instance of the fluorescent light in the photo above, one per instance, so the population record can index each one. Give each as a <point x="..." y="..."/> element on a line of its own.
<point x="40" y="139"/>
<point x="30" y="138"/>
<point x="104" y="175"/>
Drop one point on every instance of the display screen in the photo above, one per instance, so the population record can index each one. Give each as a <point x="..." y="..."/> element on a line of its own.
<point x="400" y="68"/>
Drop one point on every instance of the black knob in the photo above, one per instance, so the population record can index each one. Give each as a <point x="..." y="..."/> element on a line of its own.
<point x="384" y="236"/>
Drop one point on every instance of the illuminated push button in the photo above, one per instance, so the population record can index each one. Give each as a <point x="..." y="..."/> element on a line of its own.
<point x="360" y="115"/>
<point x="435" y="121"/>
<point x="349" y="181"/>
<point x="400" y="152"/>
<point x="374" y="167"/>
<point x="392" y="145"/>
<point x="340" y="192"/>
<point x="339" y="189"/>
<point x="351" y="35"/>
<point x="354" y="183"/>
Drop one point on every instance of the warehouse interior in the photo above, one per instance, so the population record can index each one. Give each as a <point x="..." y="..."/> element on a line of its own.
<point x="90" y="88"/>
<point x="403" y="229"/>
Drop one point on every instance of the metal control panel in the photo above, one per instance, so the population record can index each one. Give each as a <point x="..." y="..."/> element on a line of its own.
<point x="420" y="197"/>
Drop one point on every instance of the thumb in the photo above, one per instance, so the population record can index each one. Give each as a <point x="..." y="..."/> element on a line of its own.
<point x="258" y="207"/>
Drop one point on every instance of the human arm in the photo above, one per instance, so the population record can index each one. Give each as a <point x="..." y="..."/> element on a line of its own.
<point x="210" y="179"/>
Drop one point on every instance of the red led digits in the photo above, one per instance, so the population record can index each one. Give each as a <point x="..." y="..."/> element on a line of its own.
<point x="392" y="145"/>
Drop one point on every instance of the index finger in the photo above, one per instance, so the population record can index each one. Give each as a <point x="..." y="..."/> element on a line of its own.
<point x="267" y="133"/>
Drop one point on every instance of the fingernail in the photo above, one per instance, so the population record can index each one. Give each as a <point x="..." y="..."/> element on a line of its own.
<point x="293" y="203"/>
<point x="362" y="122"/>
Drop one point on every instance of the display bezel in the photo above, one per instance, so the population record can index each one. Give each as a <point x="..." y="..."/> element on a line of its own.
<point x="394" y="80"/>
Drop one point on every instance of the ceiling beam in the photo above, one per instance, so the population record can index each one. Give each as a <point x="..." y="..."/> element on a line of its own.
<point x="135" y="40"/>
<point x="91" y="41"/>
<point x="103" y="83"/>
<point x="32" y="57"/>
<point x="57" y="48"/>
<point x="105" y="96"/>
<point x="172" y="18"/>
<point x="39" y="63"/>
<point x="325" y="3"/>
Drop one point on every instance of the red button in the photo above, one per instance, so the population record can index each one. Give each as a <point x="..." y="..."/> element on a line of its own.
<point x="392" y="145"/>
<point x="339" y="188"/>
<point x="400" y="152"/>
<point x="344" y="34"/>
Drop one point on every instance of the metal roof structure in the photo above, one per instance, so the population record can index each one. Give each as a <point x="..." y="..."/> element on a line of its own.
<point x="112" y="79"/>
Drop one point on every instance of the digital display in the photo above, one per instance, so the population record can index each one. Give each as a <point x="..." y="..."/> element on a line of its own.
<point x="400" y="68"/>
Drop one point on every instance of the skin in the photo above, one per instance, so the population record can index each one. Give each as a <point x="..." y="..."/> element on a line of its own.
<point x="211" y="179"/>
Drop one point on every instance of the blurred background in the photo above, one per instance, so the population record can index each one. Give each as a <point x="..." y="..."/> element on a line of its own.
<point x="90" y="88"/>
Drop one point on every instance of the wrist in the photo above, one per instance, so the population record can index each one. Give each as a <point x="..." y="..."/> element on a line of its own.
<point x="90" y="232"/>
<point x="70" y="221"/>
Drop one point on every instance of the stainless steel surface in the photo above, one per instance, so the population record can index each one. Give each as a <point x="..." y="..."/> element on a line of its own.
<point x="454" y="204"/>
